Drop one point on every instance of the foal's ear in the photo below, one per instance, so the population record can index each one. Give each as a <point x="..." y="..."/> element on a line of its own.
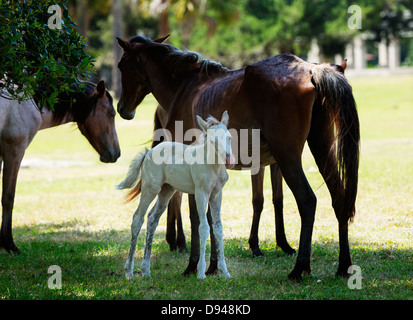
<point x="225" y="118"/>
<point x="203" y="124"/>
<point x="101" y="88"/>
<point x="161" y="40"/>
<point x="124" y="45"/>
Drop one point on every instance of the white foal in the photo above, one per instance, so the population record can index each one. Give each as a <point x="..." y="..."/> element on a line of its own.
<point x="194" y="169"/>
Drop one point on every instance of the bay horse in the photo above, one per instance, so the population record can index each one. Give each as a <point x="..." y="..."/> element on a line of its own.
<point x="198" y="169"/>
<point x="90" y="107"/>
<point x="176" y="237"/>
<point x="289" y="100"/>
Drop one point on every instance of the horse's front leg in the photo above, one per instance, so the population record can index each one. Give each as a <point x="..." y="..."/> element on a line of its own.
<point x="277" y="200"/>
<point x="215" y="205"/>
<point x="194" y="255"/>
<point x="201" y="199"/>
<point x="12" y="160"/>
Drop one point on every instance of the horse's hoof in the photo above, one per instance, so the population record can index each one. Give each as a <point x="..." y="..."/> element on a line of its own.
<point x="183" y="249"/>
<point x="201" y="276"/>
<point x="10" y="247"/>
<point x="290" y="251"/>
<point x="295" y="276"/>
<point x="257" y="253"/>
<point x="342" y="272"/>
<point x="299" y="269"/>
<point x="191" y="269"/>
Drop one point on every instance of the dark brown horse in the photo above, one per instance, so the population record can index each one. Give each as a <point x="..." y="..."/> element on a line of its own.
<point x="90" y="107"/>
<point x="289" y="100"/>
<point x="176" y="238"/>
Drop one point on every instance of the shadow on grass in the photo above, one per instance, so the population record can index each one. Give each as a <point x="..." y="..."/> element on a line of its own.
<point x="92" y="267"/>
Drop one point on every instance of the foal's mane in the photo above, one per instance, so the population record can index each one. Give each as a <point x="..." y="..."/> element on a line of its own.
<point x="212" y="121"/>
<point x="179" y="60"/>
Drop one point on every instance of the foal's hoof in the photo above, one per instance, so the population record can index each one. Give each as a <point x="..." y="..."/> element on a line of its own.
<point x="201" y="276"/>
<point x="128" y="275"/>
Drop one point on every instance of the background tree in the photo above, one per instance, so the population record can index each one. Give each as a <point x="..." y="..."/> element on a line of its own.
<point x="34" y="55"/>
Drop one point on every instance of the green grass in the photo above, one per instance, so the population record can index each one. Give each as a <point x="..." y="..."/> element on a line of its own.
<point x="73" y="217"/>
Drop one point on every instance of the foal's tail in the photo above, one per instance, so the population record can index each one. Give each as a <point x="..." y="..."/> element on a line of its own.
<point x="133" y="176"/>
<point x="335" y="93"/>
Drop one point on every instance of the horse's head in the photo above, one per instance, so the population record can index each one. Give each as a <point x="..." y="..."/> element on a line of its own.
<point x="135" y="83"/>
<point x="99" y="125"/>
<point x="218" y="139"/>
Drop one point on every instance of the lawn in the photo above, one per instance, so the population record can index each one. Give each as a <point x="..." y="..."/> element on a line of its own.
<point x="68" y="213"/>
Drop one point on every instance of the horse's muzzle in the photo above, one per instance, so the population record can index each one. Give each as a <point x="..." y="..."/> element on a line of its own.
<point x="230" y="162"/>
<point x="110" y="156"/>
<point x="122" y="110"/>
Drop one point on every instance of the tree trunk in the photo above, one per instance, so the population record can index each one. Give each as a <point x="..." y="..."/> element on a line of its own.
<point x="117" y="51"/>
<point x="164" y="27"/>
<point x="83" y="19"/>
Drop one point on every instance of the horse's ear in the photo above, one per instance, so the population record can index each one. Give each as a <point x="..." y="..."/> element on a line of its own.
<point x="344" y="64"/>
<point x="225" y="118"/>
<point x="160" y="40"/>
<point x="203" y="124"/>
<point x="124" y="45"/>
<point x="101" y="88"/>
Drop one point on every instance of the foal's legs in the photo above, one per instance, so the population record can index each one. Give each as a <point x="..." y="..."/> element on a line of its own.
<point x="138" y="217"/>
<point x="153" y="219"/>
<point x="215" y="204"/>
<point x="201" y="199"/>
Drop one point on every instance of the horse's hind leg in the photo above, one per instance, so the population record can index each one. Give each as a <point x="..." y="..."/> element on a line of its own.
<point x="175" y="238"/>
<point x="138" y="218"/>
<point x="153" y="219"/>
<point x="320" y="140"/>
<point x="277" y="199"/>
<point x="215" y="204"/>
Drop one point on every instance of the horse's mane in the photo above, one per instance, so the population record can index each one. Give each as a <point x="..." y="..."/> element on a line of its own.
<point x="79" y="103"/>
<point x="178" y="60"/>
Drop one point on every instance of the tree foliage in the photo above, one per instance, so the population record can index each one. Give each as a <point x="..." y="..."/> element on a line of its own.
<point x="33" y="55"/>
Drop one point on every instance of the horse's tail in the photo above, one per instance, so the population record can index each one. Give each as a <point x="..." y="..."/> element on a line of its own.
<point x="335" y="93"/>
<point x="133" y="176"/>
